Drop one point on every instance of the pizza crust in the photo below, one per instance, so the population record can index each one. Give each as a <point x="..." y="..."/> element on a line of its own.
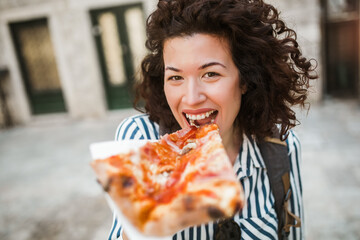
<point x="193" y="209"/>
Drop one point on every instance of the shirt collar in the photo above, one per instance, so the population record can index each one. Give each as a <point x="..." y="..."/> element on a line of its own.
<point x="249" y="157"/>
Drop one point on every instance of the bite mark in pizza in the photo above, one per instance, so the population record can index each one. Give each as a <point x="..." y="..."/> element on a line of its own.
<point x="184" y="179"/>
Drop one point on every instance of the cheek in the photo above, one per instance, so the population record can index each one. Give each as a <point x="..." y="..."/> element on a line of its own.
<point x="230" y="101"/>
<point x="236" y="102"/>
<point x="171" y="98"/>
<point x="166" y="91"/>
<point x="236" y="93"/>
<point x="228" y="97"/>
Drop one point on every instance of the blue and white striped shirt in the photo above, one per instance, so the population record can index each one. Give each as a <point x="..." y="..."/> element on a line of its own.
<point x="257" y="220"/>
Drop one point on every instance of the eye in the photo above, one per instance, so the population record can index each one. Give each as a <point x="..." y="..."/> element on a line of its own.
<point x="211" y="74"/>
<point x="175" y="78"/>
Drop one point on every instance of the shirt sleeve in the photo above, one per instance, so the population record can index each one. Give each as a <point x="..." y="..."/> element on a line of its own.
<point x="133" y="128"/>
<point x="296" y="200"/>
<point x="116" y="229"/>
<point x="137" y="128"/>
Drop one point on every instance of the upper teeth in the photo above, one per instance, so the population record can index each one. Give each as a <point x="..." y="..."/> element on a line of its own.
<point x="199" y="116"/>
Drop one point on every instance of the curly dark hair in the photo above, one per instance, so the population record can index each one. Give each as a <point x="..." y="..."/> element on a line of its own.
<point x="265" y="51"/>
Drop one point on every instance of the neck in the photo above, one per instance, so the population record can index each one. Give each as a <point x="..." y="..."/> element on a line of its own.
<point x="232" y="147"/>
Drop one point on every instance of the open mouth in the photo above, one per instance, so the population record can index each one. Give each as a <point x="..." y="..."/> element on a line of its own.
<point x="201" y="119"/>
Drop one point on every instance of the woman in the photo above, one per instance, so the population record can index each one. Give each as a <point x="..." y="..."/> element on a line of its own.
<point x="232" y="62"/>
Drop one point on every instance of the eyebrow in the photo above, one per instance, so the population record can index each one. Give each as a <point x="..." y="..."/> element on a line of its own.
<point x="201" y="67"/>
<point x="211" y="64"/>
<point x="172" y="69"/>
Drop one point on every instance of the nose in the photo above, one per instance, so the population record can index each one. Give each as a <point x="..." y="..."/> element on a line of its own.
<point x="195" y="93"/>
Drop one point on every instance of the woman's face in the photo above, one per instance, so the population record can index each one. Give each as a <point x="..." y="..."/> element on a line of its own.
<point x="201" y="82"/>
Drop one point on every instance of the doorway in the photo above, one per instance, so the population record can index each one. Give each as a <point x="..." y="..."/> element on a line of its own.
<point x="37" y="63"/>
<point x="119" y="34"/>
<point x="341" y="28"/>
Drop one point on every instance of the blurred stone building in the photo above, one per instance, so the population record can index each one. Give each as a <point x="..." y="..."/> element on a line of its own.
<point x="80" y="57"/>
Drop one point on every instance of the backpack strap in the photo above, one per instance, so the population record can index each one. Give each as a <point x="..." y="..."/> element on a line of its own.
<point x="289" y="219"/>
<point x="275" y="155"/>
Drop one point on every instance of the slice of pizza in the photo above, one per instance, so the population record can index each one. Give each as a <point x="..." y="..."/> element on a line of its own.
<point x="184" y="179"/>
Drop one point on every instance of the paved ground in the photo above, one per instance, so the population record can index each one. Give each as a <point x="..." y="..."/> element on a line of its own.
<point x="48" y="190"/>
